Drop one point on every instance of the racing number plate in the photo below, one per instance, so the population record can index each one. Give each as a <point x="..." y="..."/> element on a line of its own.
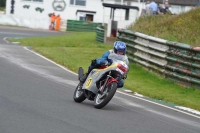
<point x="88" y="83"/>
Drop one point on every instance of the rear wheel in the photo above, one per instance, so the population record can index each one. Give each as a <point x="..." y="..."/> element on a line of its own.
<point x="79" y="95"/>
<point x="102" y="100"/>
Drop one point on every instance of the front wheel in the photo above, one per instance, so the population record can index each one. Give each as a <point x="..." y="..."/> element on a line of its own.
<point x="79" y="95"/>
<point x="102" y="100"/>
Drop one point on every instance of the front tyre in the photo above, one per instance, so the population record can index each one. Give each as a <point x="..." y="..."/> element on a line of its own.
<point x="102" y="100"/>
<point x="79" y="95"/>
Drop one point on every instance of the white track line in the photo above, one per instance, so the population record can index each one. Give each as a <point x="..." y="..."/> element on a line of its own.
<point x="15" y="33"/>
<point x="159" y="104"/>
<point x="50" y="61"/>
<point x="5" y="39"/>
<point x="117" y="91"/>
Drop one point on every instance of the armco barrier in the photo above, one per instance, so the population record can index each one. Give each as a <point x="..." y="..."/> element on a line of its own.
<point x="100" y="35"/>
<point x="177" y="61"/>
<point x="75" y="25"/>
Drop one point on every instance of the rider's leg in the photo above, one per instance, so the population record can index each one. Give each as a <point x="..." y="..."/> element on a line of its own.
<point x="82" y="79"/>
<point x="92" y="66"/>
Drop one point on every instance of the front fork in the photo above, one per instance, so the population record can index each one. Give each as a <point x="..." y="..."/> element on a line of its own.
<point x="102" y="89"/>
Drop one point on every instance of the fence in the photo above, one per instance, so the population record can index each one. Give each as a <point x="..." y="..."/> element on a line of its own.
<point x="100" y="35"/>
<point x="177" y="61"/>
<point x="75" y="25"/>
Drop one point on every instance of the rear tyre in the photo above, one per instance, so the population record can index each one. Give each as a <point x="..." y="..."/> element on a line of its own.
<point x="79" y="95"/>
<point x="100" y="101"/>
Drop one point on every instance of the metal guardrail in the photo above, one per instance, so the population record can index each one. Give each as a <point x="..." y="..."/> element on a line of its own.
<point x="100" y="35"/>
<point x="177" y="61"/>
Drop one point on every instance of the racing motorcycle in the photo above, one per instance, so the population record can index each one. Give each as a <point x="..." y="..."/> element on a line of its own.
<point x="101" y="84"/>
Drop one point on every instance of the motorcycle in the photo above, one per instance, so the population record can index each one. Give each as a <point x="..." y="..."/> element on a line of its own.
<point x="101" y="84"/>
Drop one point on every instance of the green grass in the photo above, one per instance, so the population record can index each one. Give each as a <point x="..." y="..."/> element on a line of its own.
<point x="72" y="51"/>
<point x="73" y="39"/>
<point x="71" y="57"/>
<point x="78" y="49"/>
<point x="149" y="84"/>
<point x="183" y="28"/>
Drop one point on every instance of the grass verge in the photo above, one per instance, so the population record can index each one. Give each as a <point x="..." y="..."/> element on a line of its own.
<point x="178" y="28"/>
<point x="78" y="49"/>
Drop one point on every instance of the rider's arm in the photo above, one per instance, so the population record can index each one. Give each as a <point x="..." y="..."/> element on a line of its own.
<point x="104" y="57"/>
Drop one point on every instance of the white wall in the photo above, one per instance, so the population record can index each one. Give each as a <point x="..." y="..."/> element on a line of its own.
<point x="68" y="13"/>
<point x="35" y="23"/>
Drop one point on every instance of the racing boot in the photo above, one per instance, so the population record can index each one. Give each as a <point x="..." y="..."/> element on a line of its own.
<point x="82" y="79"/>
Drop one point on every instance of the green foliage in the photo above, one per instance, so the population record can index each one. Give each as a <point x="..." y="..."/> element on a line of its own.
<point x="181" y="28"/>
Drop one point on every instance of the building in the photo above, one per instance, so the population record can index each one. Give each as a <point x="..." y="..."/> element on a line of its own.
<point x="68" y="9"/>
<point x="117" y="14"/>
<point x="88" y="10"/>
<point x="35" y="13"/>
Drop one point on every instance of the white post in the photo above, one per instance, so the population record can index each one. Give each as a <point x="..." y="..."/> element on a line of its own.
<point x="122" y="1"/>
<point x="139" y="8"/>
<point x="143" y="5"/>
<point x="103" y="14"/>
<point x="139" y="5"/>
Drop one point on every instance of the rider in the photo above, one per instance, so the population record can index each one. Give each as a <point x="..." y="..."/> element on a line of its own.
<point x="118" y="52"/>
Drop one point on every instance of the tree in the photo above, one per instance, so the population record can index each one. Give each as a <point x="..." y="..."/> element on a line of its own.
<point x="3" y="3"/>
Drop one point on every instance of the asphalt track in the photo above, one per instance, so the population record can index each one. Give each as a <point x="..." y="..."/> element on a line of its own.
<point x="36" y="95"/>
